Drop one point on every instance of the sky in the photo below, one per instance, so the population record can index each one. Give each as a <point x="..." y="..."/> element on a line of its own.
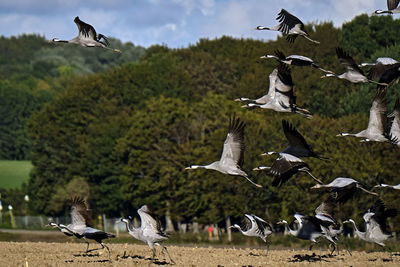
<point x="175" y="23"/>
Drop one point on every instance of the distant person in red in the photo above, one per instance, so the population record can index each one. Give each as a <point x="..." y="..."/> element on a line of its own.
<point x="210" y="231"/>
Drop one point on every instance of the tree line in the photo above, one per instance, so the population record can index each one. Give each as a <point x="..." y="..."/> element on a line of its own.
<point x="122" y="136"/>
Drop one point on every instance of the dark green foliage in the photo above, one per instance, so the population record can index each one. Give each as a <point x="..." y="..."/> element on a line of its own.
<point x="130" y="131"/>
<point x="27" y="67"/>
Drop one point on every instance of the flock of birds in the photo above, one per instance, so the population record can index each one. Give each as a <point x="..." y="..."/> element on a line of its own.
<point x="280" y="97"/>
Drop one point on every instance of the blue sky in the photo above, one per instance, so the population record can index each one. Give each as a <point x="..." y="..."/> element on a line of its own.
<point x="176" y="23"/>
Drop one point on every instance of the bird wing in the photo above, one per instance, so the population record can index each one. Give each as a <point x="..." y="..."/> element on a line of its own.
<point x="395" y="128"/>
<point x="234" y="143"/>
<point x="302" y="58"/>
<point x="342" y="194"/>
<point x="264" y="227"/>
<point x="310" y="224"/>
<point x="272" y="81"/>
<point x="347" y="61"/>
<point x="380" y="214"/>
<point x="280" y="54"/>
<point x="284" y="82"/>
<point x="385" y="72"/>
<point x="247" y="223"/>
<point x="326" y="209"/>
<point x="392" y="4"/>
<point x="377" y="114"/>
<point x="79" y="213"/>
<point x="288" y="21"/>
<point x="85" y="30"/>
<point x="149" y="222"/>
<point x="294" y="138"/>
<point x="285" y="167"/>
<point x="284" y="93"/>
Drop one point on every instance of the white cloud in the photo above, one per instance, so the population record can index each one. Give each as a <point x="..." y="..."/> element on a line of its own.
<point x="205" y="6"/>
<point x="173" y="22"/>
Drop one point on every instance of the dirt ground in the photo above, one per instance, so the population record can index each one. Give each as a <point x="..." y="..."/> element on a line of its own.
<point x="30" y="254"/>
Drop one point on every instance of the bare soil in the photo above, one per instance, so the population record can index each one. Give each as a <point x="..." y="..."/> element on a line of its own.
<point x="72" y="254"/>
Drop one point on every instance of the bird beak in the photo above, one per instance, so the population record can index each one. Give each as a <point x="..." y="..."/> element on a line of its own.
<point x="263" y="57"/>
<point x="339" y="135"/>
<point x="244" y="106"/>
<point x="237" y="99"/>
<point x="314" y="187"/>
<point x="187" y="168"/>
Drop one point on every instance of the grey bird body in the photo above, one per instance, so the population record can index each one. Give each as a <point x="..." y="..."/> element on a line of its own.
<point x="392" y="7"/>
<point x="150" y="230"/>
<point x="270" y="94"/>
<point x="375" y="222"/>
<point x="81" y="225"/>
<point x="342" y="183"/>
<point x="377" y="123"/>
<point x="295" y="60"/>
<point x="290" y="25"/>
<point x="87" y="37"/>
<point x="353" y="72"/>
<point x="232" y="156"/>
<point x="282" y="99"/>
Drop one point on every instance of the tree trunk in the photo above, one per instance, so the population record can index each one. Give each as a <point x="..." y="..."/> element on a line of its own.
<point x="195" y="226"/>
<point x="228" y="228"/>
<point x="169" y="227"/>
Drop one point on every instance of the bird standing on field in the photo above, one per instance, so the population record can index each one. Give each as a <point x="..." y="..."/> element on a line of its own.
<point x="255" y="226"/>
<point x="87" y="37"/>
<point x="150" y="230"/>
<point x="80" y="225"/>
<point x="375" y="221"/>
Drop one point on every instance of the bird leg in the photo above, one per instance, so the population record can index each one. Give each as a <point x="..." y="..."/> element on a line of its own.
<point x="347" y="249"/>
<point x="154" y="253"/>
<point x="378" y="83"/>
<point x="105" y="247"/>
<point x="309" y="173"/>
<point x="87" y="248"/>
<point x="258" y="185"/>
<point x="308" y="38"/>
<point x="334" y="247"/>
<point x="267" y="247"/>
<point x="170" y="259"/>
<point x="365" y="190"/>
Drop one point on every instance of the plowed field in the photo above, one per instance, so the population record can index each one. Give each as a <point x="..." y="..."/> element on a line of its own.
<point x="71" y="254"/>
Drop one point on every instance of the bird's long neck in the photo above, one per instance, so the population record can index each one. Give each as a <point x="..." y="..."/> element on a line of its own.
<point x="132" y="230"/>
<point x="348" y="134"/>
<point x="292" y="232"/>
<point x="383" y="12"/>
<point x="358" y="233"/>
<point x="238" y="227"/>
<point x="211" y="166"/>
<point x="55" y="40"/>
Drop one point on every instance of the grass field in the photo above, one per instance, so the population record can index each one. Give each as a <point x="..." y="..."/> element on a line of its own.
<point x="13" y="173"/>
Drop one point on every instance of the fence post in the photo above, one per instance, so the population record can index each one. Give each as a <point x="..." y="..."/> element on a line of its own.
<point x="104" y="223"/>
